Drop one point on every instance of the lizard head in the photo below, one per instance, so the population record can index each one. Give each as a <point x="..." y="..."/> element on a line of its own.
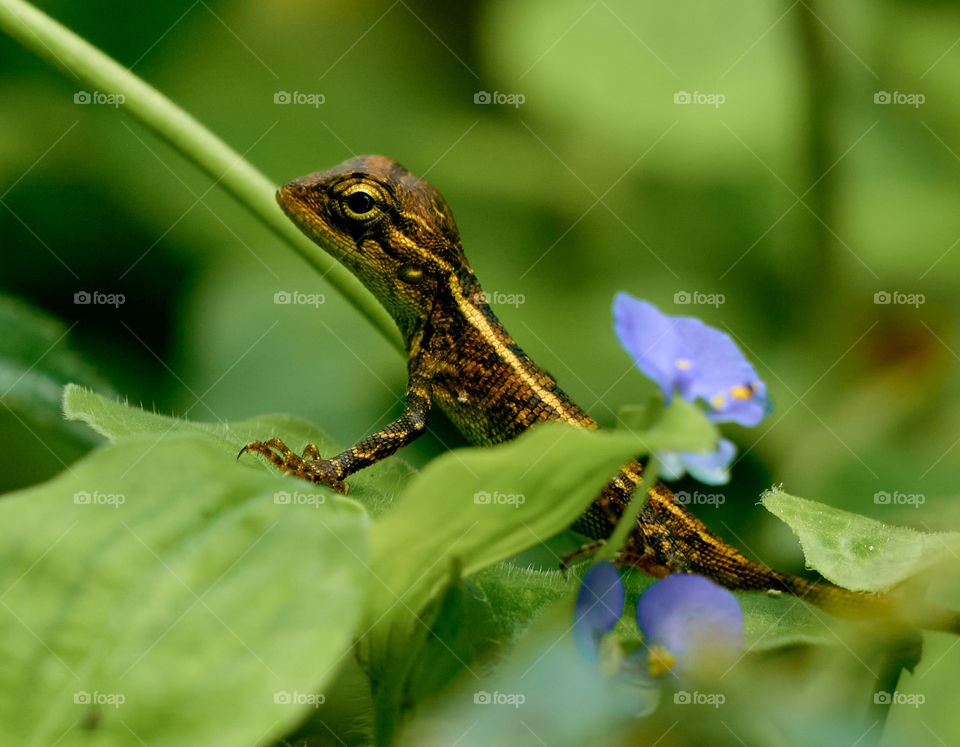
<point x="393" y="230"/>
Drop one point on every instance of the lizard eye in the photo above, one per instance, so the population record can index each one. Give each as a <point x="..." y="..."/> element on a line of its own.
<point x="358" y="203"/>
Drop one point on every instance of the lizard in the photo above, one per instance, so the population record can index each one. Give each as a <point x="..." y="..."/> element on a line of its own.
<point x="397" y="235"/>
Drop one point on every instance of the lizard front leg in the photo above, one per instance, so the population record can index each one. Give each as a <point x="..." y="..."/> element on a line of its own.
<point x="334" y="471"/>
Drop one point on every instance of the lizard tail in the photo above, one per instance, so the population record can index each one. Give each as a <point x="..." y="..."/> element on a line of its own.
<point x="670" y="539"/>
<point x="701" y="551"/>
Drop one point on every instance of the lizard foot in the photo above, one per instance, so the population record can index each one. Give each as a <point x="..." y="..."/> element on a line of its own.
<point x="581" y="552"/>
<point x="311" y="466"/>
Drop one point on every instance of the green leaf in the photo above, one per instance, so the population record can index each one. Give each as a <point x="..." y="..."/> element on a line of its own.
<point x="641" y="417"/>
<point x="776" y="621"/>
<point x="157" y="593"/>
<point x="545" y="692"/>
<point x="471" y="508"/>
<point x="36" y="361"/>
<point x="518" y="595"/>
<point x="376" y="487"/>
<point x="482" y="505"/>
<point x="856" y="552"/>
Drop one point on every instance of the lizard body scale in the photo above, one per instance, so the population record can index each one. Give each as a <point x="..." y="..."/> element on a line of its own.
<point x="396" y="233"/>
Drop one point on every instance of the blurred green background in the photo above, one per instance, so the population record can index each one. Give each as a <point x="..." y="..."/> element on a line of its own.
<point x="797" y="199"/>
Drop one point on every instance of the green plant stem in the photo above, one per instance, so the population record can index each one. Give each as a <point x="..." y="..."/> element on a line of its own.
<point x="628" y="521"/>
<point x="62" y="48"/>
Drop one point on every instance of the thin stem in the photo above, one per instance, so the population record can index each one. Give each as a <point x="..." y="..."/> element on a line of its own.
<point x="62" y="48"/>
<point x="628" y="521"/>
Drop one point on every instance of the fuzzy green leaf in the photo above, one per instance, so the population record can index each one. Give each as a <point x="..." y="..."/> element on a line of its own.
<point x="856" y="552"/>
<point x="158" y="593"/>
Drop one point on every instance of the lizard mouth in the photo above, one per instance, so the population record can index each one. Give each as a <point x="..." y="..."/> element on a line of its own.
<point x="288" y="197"/>
<point x="292" y="198"/>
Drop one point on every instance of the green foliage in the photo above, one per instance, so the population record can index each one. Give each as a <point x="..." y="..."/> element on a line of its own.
<point x="158" y="590"/>
<point x="35" y="363"/>
<point x="799" y="284"/>
<point x="376" y="487"/>
<point x="856" y="552"/>
<point x="423" y="627"/>
<point x="475" y="507"/>
<point x="185" y="567"/>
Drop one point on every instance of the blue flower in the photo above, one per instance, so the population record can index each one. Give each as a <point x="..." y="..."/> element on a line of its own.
<point x="599" y="606"/>
<point x="684" y="355"/>
<point x="691" y="626"/>
<point x="712" y="468"/>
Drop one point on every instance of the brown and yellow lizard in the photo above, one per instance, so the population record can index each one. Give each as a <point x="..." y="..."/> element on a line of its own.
<point x="396" y="233"/>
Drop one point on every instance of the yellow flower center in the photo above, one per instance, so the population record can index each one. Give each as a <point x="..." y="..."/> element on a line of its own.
<point x="742" y="392"/>
<point x="659" y="660"/>
<point x="683" y="364"/>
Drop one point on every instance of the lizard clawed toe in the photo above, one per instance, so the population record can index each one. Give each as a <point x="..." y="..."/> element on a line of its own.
<point x="313" y="468"/>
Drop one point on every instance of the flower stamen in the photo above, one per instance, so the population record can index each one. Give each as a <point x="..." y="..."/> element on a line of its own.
<point x="742" y="392"/>
<point x="659" y="660"/>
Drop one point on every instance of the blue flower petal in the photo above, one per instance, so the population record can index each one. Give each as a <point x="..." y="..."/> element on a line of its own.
<point x="711" y="469"/>
<point x="682" y="354"/>
<point x="692" y="623"/>
<point x="651" y="340"/>
<point x="599" y="606"/>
